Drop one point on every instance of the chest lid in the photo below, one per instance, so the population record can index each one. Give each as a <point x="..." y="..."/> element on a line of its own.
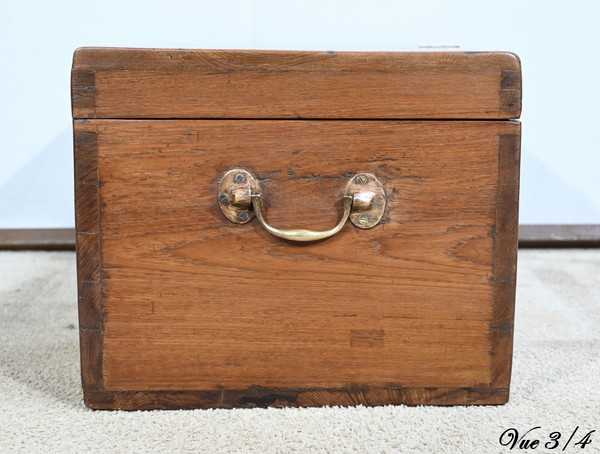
<point x="194" y="84"/>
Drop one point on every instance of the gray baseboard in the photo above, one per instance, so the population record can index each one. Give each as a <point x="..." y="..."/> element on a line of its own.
<point x="530" y="236"/>
<point x="37" y="239"/>
<point x="576" y="235"/>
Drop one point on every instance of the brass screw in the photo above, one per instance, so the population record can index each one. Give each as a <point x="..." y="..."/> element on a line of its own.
<point x="361" y="179"/>
<point x="239" y="178"/>
<point x="380" y="199"/>
<point x="363" y="219"/>
<point x="243" y="216"/>
<point x="224" y="198"/>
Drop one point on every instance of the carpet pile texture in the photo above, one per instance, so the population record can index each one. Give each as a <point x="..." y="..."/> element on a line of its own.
<point x="555" y="381"/>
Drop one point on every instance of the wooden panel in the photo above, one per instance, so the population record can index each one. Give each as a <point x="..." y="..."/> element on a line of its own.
<point x="192" y="303"/>
<point x="170" y="83"/>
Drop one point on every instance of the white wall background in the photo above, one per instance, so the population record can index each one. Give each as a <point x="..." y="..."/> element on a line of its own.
<point x="558" y="42"/>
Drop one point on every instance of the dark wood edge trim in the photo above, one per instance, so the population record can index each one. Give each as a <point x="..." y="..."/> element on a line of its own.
<point x="530" y="236"/>
<point x="83" y="91"/>
<point x="504" y="268"/>
<point x="37" y="239"/>
<point x="287" y="397"/>
<point x="89" y="258"/>
<point x="559" y="236"/>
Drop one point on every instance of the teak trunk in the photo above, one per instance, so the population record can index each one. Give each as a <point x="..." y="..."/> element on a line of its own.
<point x="181" y="308"/>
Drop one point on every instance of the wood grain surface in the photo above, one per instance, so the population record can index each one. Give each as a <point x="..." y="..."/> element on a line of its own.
<point x="186" y="309"/>
<point x="176" y="83"/>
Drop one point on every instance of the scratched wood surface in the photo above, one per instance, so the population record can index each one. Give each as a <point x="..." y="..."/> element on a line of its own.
<point x="179" y="307"/>
<point x="176" y="83"/>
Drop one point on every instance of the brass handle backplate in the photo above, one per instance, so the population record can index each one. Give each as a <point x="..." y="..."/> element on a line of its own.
<point x="239" y="198"/>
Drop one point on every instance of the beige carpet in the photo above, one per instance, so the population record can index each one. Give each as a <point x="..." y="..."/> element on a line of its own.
<point x="556" y="379"/>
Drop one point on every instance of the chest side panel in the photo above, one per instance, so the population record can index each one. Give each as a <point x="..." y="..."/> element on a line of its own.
<point x="191" y="301"/>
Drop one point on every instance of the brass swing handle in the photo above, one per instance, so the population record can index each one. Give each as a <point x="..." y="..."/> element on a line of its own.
<point x="302" y="234"/>
<point x="239" y="198"/>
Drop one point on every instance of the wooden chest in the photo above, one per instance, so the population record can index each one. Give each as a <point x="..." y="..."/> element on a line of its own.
<point x="188" y="300"/>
